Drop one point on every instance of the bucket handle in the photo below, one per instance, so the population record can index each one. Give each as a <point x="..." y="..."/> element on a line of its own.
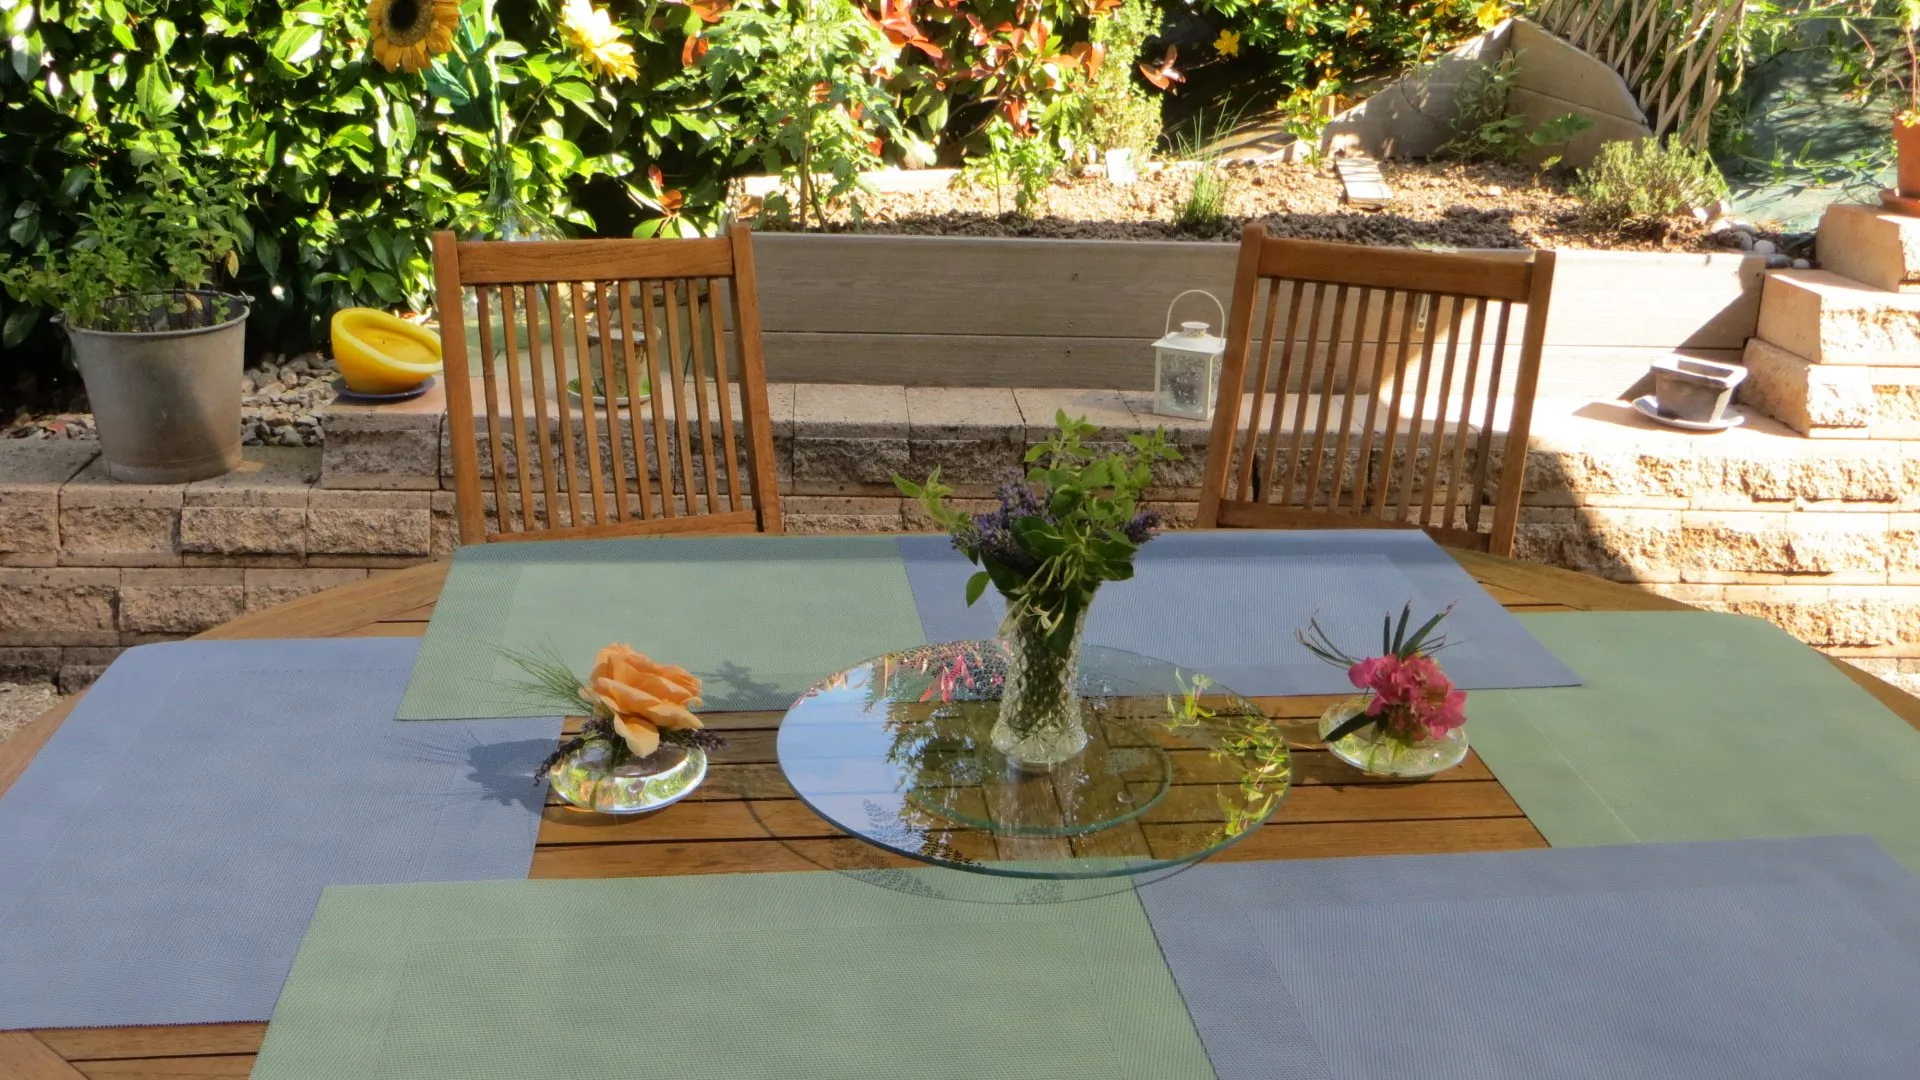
<point x="1168" y="328"/>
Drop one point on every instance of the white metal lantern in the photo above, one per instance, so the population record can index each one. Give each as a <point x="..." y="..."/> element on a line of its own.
<point x="1186" y="365"/>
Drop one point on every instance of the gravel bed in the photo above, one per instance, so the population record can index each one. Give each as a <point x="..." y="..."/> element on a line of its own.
<point x="277" y="406"/>
<point x="21" y="702"/>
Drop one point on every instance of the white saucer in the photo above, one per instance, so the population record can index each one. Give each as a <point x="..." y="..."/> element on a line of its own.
<point x="1645" y="407"/>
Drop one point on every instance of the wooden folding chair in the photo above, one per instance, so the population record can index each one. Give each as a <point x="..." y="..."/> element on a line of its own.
<point x="680" y="440"/>
<point x="1393" y="373"/>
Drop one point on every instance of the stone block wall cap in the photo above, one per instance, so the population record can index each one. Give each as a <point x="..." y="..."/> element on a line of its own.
<point x="45" y="461"/>
<point x="434" y="401"/>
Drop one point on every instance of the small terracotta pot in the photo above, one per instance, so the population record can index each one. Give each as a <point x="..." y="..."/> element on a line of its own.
<point x="1906" y="142"/>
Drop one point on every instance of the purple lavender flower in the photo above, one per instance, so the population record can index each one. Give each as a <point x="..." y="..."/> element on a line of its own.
<point x="1142" y="527"/>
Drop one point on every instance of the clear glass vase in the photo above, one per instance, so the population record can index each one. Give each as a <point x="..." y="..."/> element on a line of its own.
<point x="638" y="784"/>
<point x="1378" y="752"/>
<point x="505" y="218"/>
<point x="1040" y="723"/>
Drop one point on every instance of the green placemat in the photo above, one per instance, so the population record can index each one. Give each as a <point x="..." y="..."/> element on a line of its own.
<point x="1698" y="726"/>
<point x="760" y="618"/>
<point x="803" y="976"/>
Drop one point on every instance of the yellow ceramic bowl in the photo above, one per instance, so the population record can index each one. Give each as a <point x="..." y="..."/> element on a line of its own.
<point x="378" y="353"/>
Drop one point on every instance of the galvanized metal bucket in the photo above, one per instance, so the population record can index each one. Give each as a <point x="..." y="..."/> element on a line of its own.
<point x="167" y="402"/>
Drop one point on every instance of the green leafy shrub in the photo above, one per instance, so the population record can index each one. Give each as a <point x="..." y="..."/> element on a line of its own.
<point x="1026" y="163"/>
<point x="345" y="169"/>
<point x="1647" y="180"/>
<point x="1315" y="45"/>
<point x="173" y="234"/>
<point x="1116" y="112"/>
<point x="798" y="75"/>
<point x="1205" y="207"/>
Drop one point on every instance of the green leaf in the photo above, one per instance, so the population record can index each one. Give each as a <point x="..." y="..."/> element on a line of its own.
<point x="20" y="323"/>
<point x="442" y="84"/>
<point x="267" y="250"/>
<point x="405" y="126"/>
<point x="1360" y="720"/>
<point x="577" y="92"/>
<point x="297" y="44"/>
<point x="154" y="91"/>
<point x="977" y="586"/>
<point x="163" y="36"/>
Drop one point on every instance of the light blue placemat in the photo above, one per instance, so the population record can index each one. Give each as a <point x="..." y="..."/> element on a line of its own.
<point x="760" y="618"/>
<point x="1740" y="960"/>
<point x="1227" y="602"/>
<point x="161" y="857"/>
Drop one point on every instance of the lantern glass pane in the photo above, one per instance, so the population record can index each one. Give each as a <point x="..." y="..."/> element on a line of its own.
<point x="1184" y="382"/>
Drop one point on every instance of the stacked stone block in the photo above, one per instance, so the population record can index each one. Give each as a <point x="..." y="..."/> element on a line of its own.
<point x="89" y="566"/>
<point x="1836" y="354"/>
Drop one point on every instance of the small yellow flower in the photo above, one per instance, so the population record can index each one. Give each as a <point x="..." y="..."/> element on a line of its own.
<point x="1490" y="13"/>
<point x="592" y="34"/>
<point x="1228" y="43"/>
<point x="408" y="34"/>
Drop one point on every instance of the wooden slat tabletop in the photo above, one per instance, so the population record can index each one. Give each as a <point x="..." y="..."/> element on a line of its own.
<point x="745" y="818"/>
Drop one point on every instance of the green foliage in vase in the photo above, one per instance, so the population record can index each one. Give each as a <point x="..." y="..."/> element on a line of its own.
<point x="1648" y="180"/>
<point x="134" y="262"/>
<point x="1070" y="524"/>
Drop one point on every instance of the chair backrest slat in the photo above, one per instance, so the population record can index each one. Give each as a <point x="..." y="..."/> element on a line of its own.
<point x="695" y="338"/>
<point x="1387" y="417"/>
<point x="723" y="393"/>
<point x="516" y="394"/>
<point x="1339" y="482"/>
<point x="491" y="387"/>
<point x="1260" y="386"/>
<point x="589" y="429"/>
<point x="616" y="459"/>
<point x="1483" y="462"/>
<point x="606" y="423"/>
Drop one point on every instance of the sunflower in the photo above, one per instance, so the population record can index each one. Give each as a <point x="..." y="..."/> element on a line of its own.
<point x="592" y="34"/>
<point x="408" y="34"/>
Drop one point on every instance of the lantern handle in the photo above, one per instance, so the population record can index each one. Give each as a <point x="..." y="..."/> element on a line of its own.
<point x="1168" y="328"/>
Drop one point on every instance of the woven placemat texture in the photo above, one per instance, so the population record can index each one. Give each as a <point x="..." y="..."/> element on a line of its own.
<point x="760" y="618"/>
<point x="1227" y="603"/>
<point x="161" y="856"/>
<point x="1737" y="960"/>
<point x="800" y="976"/>
<point x="1698" y="726"/>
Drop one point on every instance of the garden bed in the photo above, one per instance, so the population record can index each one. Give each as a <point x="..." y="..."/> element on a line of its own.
<point x="1434" y="203"/>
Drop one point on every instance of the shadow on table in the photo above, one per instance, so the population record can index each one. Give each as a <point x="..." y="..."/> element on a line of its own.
<point x="502" y="770"/>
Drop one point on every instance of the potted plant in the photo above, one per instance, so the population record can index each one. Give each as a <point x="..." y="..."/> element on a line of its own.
<point x="160" y="349"/>
<point x="1069" y="524"/>
<point x="1906" y="120"/>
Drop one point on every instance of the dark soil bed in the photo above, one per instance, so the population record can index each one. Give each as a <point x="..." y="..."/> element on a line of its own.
<point x="1434" y="204"/>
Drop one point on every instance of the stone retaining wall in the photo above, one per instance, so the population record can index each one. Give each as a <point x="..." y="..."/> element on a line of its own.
<point x="1821" y="537"/>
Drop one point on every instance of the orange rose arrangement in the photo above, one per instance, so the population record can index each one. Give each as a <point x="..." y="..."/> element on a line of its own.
<point x="635" y="704"/>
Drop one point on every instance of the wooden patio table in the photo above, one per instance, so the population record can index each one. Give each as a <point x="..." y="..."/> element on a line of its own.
<point x="746" y="819"/>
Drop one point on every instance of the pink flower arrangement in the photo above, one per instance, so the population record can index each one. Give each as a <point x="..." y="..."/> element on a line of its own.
<point x="1410" y="697"/>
